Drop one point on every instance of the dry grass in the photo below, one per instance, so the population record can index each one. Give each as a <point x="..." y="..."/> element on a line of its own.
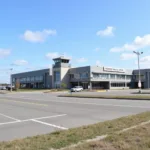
<point x="136" y="139"/>
<point x="61" y="139"/>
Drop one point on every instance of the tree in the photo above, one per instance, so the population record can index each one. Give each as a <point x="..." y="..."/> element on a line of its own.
<point x="63" y="86"/>
<point x="17" y="84"/>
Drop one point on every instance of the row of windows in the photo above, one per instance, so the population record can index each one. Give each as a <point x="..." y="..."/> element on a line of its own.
<point x="61" y="61"/>
<point x="101" y="76"/>
<point x="28" y="79"/>
<point x="137" y="77"/>
<point x="120" y="84"/>
<point x="111" y="76"/>
<point x="83" y="75"/>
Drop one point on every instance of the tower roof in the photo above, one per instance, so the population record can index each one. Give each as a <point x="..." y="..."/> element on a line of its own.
<point x="61" y="58"/>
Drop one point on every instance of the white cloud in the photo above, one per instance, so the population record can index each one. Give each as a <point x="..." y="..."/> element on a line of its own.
<point x="97" y="49"/>
<point x="49" y="66"/>
<point x="106" y="32"/>
<point x="4" y="52"/>
<point x="82" y="60"/>
<point x="31" y="68"/>
<point x="127" y="56"/>
<point x="98" y="63"/>
<point x="52" y="55"/>
<point x="38" y="36"/>
<point x="145" y="59"/>
<point x="144" y="62"/>
<point x="138" y="43"/>
<point x="20" y="63"/>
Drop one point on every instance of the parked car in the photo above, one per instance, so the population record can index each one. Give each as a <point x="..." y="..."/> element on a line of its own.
<point x="77" y="89"/>
<point x="2" y="87"/>
<point x="9" y="87"/>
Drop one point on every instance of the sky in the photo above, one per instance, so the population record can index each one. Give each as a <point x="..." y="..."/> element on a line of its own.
<point x="97" y="32"/>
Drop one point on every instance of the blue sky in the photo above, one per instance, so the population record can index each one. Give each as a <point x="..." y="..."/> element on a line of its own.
<point x="98" y="32"/>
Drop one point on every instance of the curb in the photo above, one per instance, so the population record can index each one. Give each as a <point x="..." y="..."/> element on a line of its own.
<point x="103" y="97"/>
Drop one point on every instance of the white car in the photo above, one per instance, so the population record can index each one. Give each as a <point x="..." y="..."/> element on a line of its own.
<point x="77" y="89"/>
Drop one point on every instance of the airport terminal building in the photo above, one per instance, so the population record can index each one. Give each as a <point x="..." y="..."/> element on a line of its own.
<point x="90" y="77"/>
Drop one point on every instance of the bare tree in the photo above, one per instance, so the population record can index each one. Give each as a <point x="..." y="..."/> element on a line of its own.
<point x="17" y="84"/>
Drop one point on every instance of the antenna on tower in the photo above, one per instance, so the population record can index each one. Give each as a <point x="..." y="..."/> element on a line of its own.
<point x="62" y="55"/>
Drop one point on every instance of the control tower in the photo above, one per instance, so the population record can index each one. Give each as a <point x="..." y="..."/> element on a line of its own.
<point x="60" y="72"/>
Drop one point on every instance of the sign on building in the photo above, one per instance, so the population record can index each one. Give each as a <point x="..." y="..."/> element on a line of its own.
<point x="109" y="69"/>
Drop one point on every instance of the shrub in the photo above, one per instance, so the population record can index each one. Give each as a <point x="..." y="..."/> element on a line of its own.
<point x="63" y="86"/>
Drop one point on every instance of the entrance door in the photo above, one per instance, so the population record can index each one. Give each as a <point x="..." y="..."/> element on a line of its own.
<point x="85" y="85"/>
<point x="100" y="85"/>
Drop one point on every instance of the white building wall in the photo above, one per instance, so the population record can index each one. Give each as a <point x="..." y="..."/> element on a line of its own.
<point x="64" y="73"/>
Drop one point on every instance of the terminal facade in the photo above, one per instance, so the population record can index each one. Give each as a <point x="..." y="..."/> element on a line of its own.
<point x="89" y="77"/>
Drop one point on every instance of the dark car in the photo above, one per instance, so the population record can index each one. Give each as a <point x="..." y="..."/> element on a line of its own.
<point x="9" y="87"/>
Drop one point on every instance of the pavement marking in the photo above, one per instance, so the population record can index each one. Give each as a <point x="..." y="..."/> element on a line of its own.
<point x="21" y="121"/>
<point x="24" y="102"/>
<point x="51" y="125"/>
<point x="56" y="101"/>
<point x="47" y="117"/>
<point x="12" y="122"/>
<point x="9" y="117"/>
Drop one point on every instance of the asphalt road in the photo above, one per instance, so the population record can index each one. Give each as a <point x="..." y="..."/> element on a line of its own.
<point x="29" y="114"/>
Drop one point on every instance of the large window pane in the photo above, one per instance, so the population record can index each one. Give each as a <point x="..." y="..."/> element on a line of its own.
<point x="112" y="76"/>
<point x="28" y="79"/>
<point x="57" y="76"/>
<point x="84" y="75"/>
<point x="32" y="78"/>
<point x="128" y="77"/>
<point x="118" y="76"/>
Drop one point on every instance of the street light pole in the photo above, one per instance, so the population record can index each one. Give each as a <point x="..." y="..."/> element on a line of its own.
<point x="138" y="55"/>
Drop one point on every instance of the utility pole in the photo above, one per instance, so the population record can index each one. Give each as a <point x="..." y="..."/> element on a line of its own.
<point x="138" y="55"/>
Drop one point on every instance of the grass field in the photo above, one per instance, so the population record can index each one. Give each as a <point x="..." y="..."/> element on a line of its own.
<point x="66" y="138"/>
<point x="135" y="139"/>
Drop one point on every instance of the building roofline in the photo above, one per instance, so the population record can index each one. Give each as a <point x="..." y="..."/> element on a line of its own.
<point x="31" y="71"/>
<point x="79" y="67"/>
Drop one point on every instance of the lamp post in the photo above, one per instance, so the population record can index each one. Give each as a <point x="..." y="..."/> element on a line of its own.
<point x="11" y="79"/>
<point x="138" y="55"/>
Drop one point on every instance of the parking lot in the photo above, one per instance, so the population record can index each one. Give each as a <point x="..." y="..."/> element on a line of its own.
<point x="29" y="114"/>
